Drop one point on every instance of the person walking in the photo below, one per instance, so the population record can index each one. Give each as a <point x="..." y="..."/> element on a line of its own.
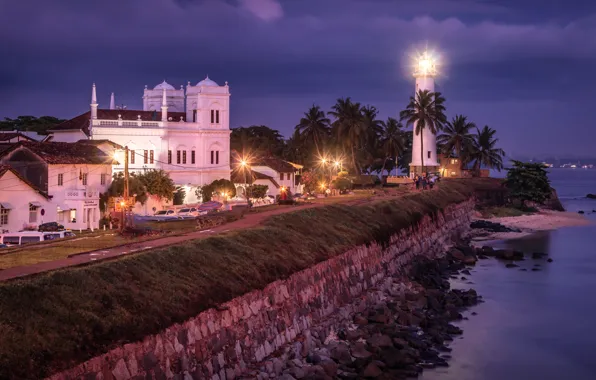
<point x="417" y="181"/>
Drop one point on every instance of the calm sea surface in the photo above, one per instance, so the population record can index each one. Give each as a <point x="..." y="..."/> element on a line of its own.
<point x="535" y="325"/>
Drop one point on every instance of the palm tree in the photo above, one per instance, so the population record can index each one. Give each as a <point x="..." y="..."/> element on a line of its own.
<point x="392" y="140"/>
<point x="425" y="110"/>
<point x="349" y="128"/>
<point x="314" y="126"/>
<point x="484" y="151"/>
<point x="457" y="138"/>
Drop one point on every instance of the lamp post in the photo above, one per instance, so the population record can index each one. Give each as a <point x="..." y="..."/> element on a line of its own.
<point x="244" y="166"/>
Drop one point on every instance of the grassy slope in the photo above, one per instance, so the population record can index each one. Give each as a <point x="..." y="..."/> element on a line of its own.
<point x="54" y="321"/>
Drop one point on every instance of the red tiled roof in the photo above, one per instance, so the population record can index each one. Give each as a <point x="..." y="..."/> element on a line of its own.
<point x="14" y="135"/>
<point x="63" y="153"/>
<point x="6" y="168"/>
<point x="99" y="142"/>
<point x="81" y="122"/>
<point x="276" y="164"/>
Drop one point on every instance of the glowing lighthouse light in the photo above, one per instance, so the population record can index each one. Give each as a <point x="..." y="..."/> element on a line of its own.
<point x="425" y="65"/>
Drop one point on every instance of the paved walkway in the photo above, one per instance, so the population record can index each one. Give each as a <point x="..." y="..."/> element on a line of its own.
<point x="250" y="220"/>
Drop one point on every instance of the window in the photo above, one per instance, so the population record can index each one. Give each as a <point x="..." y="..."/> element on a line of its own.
<point x="151" y="156"/>
<point x="453" y="161"/>
<point x="132" y="156"/>
<point x="102" y="178"/>
<point x="194" y="116"/>
<point x="61" y="216"/>
<point x="217" y="157"/>
<point x="32" y="214"/>
<point x="216" y="116"/>
<point x="169" y="156"/>
<point x="145" y="156"/>
<point x="73" y="216"/>
<point x="30" y="239"/>
<point x="84" y="178"/>
<point x="192" y="157"/>
<point x="184" y="157"/>
<point x="177" y="156"/>
<point x="3" y="216"/>
<point x="212" y="157"/>
<point x="212" y="116"/>
<point x="60" y="179"/>
<point x="429" y="154"/>
<point x="281" y="176"/>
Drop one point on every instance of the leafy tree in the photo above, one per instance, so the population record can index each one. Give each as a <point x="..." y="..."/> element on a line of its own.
<point x="158" y="183"/>
<point x="457" y="139"/>
<point x="311" y="180"/>
<point x="528" y="182"/>
<point x="314" y="127"/>
<point x="349" y="128"/>
<point x="342" y="184"/>
<point x="425" y="111"/>
<point x="135" y="186"/>
<point x="30" y="123"/>
<point x="216" y="187"/>
<point x="484" y="151"/>
<point x="392" y="141"/>
<point x="257" y="191"/>
<point x="257" y="140"/>
<point x="179" y="195"/>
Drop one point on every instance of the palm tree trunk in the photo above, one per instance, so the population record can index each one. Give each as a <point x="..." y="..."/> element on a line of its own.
<point x="383" y="169"/>
<point x="459" y="156"/>
<point x="422" y="151"/>
<point x="354" y="161"/>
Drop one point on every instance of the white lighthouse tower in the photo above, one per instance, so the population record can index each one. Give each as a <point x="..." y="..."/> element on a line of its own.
<point x="424" y="72"/>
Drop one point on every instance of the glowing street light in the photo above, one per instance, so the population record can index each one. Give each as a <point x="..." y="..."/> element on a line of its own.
<point x="243" y="163"/>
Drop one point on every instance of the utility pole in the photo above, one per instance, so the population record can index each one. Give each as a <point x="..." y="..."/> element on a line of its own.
<point x="125" y="192"/>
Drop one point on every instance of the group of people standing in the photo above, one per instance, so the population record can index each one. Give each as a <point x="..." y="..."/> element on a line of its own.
<point x="425" y="181"/>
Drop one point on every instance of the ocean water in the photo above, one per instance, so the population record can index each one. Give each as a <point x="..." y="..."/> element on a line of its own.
<point x="535" y="324"/>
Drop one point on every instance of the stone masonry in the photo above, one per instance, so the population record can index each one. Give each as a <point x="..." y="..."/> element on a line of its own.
<point x="258" y="327"/>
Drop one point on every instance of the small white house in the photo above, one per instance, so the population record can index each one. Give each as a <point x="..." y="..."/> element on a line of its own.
<point x="72" y="175"/>
<point x="273" y="172"/>
<point x="22" y="203"/>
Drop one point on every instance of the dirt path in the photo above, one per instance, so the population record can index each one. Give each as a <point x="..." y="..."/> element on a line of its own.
<point x="249" y="220"/>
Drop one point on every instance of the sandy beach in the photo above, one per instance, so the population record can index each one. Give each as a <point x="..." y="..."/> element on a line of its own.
<point x="542" y="221"/>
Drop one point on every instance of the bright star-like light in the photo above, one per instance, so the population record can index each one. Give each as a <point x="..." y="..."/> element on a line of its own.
<point x="425" y="64"/>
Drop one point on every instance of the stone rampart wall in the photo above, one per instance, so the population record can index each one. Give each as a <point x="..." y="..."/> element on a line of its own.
<point x="230" y="341"/>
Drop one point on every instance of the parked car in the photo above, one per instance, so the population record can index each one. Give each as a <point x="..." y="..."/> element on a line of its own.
<point x="189" y="212"/>
<point x="164" y="215"/>
<point x="50" y="226"/>
<point x="58" y="235"/>
<point x="3" y="246"/>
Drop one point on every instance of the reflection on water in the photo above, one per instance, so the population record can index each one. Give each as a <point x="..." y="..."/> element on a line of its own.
<point x="534" y="324"/>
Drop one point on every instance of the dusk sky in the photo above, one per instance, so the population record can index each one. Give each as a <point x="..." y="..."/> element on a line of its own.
<point x="523" y="67"/>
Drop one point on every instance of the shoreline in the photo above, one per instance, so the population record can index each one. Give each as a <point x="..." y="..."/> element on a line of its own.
<point x="543" y="220"/>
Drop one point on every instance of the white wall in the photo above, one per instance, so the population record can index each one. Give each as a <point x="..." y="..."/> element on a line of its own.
<point x="19" y="195"/>
<point x="73" y="194"/>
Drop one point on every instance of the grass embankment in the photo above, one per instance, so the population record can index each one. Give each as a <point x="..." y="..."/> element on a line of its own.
<point x="502" y="212"/>
<point x="54" y="321"/>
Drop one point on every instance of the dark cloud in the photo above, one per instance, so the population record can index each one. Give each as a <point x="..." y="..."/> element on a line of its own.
<point x="281" y="56"/>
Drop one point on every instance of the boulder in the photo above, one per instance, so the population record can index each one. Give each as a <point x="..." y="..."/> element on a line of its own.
<point x="372" y="371"/>
<point x="470" y="260"/>
<point x="380" y="340"/>
<point x="359" y="351"/>
<point x="511" y="265"/>
<point x="538" y="255"/>
<point x="591" y="196"/>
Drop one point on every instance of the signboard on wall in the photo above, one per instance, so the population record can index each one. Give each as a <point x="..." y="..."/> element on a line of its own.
<point x="94" y="203"/>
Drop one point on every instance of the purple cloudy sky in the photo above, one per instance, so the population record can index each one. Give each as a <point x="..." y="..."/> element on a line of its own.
<point x="524" y="67"/>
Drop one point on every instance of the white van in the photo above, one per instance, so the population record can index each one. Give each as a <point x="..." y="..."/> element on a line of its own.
<point x="25" y="237"/>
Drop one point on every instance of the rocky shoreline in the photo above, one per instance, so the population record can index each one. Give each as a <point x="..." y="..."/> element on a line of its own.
<point x="407" y="328"/>
<point x="405" y="331"/>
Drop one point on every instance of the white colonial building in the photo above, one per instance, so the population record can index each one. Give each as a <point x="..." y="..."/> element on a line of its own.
<point x="66" y="177"/>
<point x="185" y="132"/>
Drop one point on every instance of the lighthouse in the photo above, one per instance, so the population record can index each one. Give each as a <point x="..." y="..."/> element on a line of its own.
<point x="424" y="71"/>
